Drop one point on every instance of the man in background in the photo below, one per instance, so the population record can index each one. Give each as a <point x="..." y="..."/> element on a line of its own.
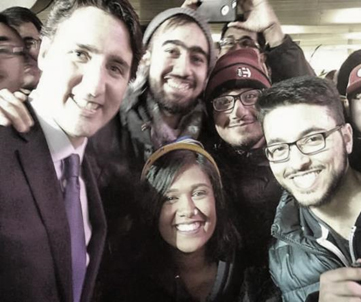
<point x="164" y="102"/>
<point x="11" y="57"/>
<point x="259" y="28"/>
<point x="236" y="141"/>
<point x="353" y="93"/>
<point x="28" y="26"/>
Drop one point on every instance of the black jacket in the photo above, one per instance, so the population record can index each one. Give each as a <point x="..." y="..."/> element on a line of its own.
<point x="305" y="248"/>
<point x="287" y="61"/>
<point x="253" y="194"/>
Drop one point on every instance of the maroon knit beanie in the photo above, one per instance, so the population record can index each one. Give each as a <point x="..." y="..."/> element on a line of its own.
<point x="239" y="66"/>
<point x="354" y="83"/>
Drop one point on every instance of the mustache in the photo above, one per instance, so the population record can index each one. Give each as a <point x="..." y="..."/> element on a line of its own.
<point x="246" y="119"/>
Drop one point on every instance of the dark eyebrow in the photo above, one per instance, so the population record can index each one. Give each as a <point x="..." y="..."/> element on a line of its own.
<point x="196" y="49"/>
<point x="4" y="38"/>
<point x="28" y="38"/>
<point x="201" y="184"/>
<point x="193" y="187"/>
<point x="301" y="135"/>
<point x="114" y="58"/>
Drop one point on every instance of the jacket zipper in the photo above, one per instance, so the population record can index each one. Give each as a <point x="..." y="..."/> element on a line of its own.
<point x="330" y="246"/>
<point x="350" y="242"/>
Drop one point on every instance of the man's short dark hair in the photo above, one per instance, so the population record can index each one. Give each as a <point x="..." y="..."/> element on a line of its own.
<point x="19" y="15"/>
<point x="5" y="20"/>
<point x="302" y="90"/>
<point x="120" y="9"/>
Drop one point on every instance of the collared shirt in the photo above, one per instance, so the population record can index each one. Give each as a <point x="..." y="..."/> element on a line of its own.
<point x="60" y="148"/>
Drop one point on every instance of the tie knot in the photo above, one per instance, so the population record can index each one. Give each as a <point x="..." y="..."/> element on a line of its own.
<point x="72" y="166"/>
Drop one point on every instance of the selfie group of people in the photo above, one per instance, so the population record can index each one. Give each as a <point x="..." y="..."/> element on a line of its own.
<point x="162" y="166"/>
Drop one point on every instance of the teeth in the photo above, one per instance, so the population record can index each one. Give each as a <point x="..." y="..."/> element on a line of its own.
<point x="92" y="106"/>
<point x="178" y="85"/>
<point x="306" y="180"/>
<point x="86" y="105"/>
<point x="188" y="227"/>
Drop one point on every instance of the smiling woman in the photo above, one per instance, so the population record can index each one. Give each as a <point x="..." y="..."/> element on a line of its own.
<point x="182" y="243"/>
<point x="187" y="211"/>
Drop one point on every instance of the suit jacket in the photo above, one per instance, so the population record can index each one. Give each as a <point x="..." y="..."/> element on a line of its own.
<point x="35" y="254"/>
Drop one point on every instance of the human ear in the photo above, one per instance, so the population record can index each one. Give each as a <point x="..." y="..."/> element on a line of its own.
<point x="146" y="58"/>
<point x="346" y="131"/>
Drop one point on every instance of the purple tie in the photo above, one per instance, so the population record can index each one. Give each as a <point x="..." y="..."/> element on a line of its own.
<point x="75" y="220"/>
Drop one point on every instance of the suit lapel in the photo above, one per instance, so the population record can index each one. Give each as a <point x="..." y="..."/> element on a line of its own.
<point x="97" y="220"/>
<point x="39" y="170"/>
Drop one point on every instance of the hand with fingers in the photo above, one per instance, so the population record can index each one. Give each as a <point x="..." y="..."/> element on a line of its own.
<point x="341" y="285"/>
<point x="13" y="110"/>
<point x="260" y="17"/>
<point x="259" y="14"/>
<point x="193" y="4"/>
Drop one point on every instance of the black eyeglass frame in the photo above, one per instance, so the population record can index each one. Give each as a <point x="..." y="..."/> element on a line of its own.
<point x="324" y="134"/>
<point x="222" y="43"/>
<point x="235" y="98"/>
<point x="11" y="51"/>
<point x="31" y="43"/>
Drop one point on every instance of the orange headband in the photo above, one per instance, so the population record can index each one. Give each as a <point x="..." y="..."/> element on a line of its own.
<point x="188" y="144"/>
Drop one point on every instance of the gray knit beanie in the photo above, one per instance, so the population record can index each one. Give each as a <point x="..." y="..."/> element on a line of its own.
<point x="169" y="13"/>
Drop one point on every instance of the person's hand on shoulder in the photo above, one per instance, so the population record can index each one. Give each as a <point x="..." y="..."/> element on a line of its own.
<point x="340" y="285"/>
<point x="13" y="111"/>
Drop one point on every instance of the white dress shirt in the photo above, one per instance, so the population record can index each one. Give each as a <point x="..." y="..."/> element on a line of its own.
<point x="60" y="148"/>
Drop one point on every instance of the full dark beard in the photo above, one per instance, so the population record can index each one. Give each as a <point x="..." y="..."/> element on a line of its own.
<point x="167" y="105"/>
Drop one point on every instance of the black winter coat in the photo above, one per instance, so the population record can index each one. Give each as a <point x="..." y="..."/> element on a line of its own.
<point x="305" y="248"/>
<point x="253" y="194"/>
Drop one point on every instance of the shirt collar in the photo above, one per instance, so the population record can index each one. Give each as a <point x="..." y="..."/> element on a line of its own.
<point x="58" y="142"/>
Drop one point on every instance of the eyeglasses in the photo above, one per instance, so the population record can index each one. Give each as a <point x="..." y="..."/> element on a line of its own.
<point x="244" y="42"/>
<point x="9" y="51"/>
<point x="226" y="102"/>
<point x="31" y="43"/>
<point x="308" y="145"/>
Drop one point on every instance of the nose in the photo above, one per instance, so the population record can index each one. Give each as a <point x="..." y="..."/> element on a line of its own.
<point x="186" y="206"/>
<point x="182" y="65"/>
<point x="239" y="110"/>
<point x="298" y="160"/>
<point x="94" y="79"/>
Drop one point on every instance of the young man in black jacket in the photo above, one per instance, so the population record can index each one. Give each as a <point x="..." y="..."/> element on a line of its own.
<point x="318" y="219"/>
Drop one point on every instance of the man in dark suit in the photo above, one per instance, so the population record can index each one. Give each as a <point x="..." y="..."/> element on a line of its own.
<point x="87" y="56"/>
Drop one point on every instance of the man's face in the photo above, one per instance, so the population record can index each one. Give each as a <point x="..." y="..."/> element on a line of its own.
<point x="237" y="34"/>
<point x="239" y="126"/>
<point x="355" y="111"/>
<point x="178" y="67"/>
<point x="31" y="38"/>
<point x="86" y="68"/>
<point x="11" y="59"/>
<point x="311" y="179"/>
